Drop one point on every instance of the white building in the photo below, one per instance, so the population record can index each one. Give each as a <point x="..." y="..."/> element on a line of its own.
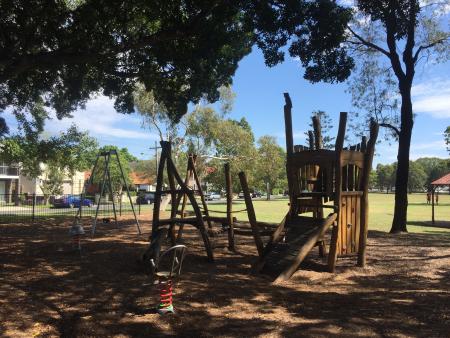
<point x="9" y="181"/>
<point x="72" y="185"/>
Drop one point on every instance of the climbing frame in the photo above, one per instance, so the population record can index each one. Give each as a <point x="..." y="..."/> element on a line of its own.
<point x="161" y="227"/>
<point x="318" y="180"/>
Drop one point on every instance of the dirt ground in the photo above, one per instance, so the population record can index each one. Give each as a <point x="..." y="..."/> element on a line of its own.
<point x="47" y="289"/>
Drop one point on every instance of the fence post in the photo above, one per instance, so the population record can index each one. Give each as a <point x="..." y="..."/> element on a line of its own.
<point x="120" y="204"/>
<point x="34" y="207"/>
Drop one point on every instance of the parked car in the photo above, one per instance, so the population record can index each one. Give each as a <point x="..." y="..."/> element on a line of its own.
<point x="256" y="194"/>
<point x="71" y="202"/>
<point x="146" y="198"/>
<point x="212" y="196"/>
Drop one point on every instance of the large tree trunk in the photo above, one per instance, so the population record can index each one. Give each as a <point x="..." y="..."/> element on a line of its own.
<point x="404" y="143"/>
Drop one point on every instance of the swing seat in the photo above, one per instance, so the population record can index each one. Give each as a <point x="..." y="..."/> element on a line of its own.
<point x="168" y="264"/>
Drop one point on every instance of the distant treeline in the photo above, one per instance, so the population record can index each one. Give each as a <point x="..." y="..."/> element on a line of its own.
<point x="422" y="172"/>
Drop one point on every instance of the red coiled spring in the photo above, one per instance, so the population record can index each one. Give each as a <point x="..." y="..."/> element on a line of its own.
<point x="165" y="294"/>
<point x="76" y="242"/>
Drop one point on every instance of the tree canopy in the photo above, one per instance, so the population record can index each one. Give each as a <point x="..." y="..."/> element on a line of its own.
<point x="63" y="52"/>
<point x="69" y="151"/>
<point x="116" y="176"/>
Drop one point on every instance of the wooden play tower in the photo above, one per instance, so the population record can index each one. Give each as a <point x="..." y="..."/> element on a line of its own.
<point x="321" y="179"/>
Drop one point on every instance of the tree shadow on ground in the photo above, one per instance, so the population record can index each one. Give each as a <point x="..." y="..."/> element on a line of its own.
<point x="104" y="292"/>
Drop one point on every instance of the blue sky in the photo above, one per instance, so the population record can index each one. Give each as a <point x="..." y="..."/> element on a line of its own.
<point x="259" y="99"/>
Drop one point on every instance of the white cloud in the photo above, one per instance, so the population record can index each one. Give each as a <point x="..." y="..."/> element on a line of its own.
<point x="428" y="145"/>
<point x="101" y="119"/>
<point x="432" y="97"/>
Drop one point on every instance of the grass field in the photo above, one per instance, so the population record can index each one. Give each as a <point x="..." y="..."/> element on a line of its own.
<point x="381" y="208"/>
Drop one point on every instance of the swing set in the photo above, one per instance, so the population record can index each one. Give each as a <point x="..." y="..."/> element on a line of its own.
<point x="106" y="186"/>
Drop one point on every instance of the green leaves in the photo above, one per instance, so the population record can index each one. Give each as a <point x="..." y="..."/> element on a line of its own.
<point x="69" y="151"/>
<point x="64" y="52"/>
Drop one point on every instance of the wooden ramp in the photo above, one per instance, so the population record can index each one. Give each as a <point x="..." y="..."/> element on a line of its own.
<point x="301" y="235"/>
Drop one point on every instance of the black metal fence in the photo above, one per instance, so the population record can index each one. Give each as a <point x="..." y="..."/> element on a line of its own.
<point x="32" y="206"/>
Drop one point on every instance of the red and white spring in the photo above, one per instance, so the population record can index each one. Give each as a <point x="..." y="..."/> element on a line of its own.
<point x="165" y="294"/>
<point x="76" y="243"/>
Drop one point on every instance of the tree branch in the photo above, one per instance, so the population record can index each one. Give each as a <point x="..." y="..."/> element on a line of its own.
<point x="421" y="48"/>
<point x="368" y="43"/>
<point x="390" y="126"/>
<point x="393" y="56"/>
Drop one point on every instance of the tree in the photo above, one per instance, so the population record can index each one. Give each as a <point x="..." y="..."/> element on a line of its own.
<point x="400" y="32"/>
<point x="270" y="165"/>
<point x="447" y="138"/>
<point x="52" y="182"/>
<point x="373" y="179"/>
<point x="417" y="177"/>
<point x="67" y="50"/>
<point x="63" y="52"/>
<point x="233" y="144"/>
<point x="69" y="151"/>
<point x="385" y="176"/>
<point x="374" y="92"/>
<point x="433" y="167"/>
<point x="383" y="28"/>
<point x="116" y="177"/>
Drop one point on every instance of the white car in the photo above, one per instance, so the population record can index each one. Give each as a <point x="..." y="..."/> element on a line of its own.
<point x="212" y="196"/>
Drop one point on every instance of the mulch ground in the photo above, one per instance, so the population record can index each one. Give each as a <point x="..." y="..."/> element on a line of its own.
<point x="47" y="289"/>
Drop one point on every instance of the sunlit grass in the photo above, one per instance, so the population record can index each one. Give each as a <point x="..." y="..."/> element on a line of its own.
<point x="381" y="210"/>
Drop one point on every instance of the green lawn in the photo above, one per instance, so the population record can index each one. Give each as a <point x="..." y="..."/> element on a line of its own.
<point x="381" y="208"/>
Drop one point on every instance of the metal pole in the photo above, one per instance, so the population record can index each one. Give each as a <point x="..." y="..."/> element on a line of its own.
<point x="128" y="193"/>
<point x="101" y="194"/>
<point x="111" y="190"/>
<point x="34" y="206"/>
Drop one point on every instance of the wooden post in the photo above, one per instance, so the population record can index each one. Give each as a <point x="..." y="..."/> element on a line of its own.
<point x="364" y="220"/>
<point x="165" y="147"/>
<point x="229" y="188"/>
<point x="311" y="139"/>
<point x="251" y="214"/>
<point x="173" y="199"/>
<point x="200" y="191"/>
<point x="189" y="177"/>
<point x="337" y="190"/>
<point x="432" y="205"/>
<point x="288" y="124"/>
<point x="200" y="222"/>
<point x="317" y="132"/>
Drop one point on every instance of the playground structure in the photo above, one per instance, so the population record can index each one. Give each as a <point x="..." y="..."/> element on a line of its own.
<point x="319" y="179"/>
<point x="210" y="227"/>
<point x="106" y="185"/>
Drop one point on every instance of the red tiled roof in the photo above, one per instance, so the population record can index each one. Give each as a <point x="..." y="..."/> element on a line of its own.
<point x="140" y="178"/>
<point x="87" y="175"/>
<point x="444" y="180"/>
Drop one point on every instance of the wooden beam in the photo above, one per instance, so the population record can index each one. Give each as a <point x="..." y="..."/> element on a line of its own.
<point x="229" y="190"/>
<point x="364" y="221"/>
<point x="288" y="124"/>
<point x="251" y="214"/>
<point x="306" y="248"/>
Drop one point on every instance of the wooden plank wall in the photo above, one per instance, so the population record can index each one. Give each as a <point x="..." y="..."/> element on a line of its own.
<point x="349" y="224"/>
